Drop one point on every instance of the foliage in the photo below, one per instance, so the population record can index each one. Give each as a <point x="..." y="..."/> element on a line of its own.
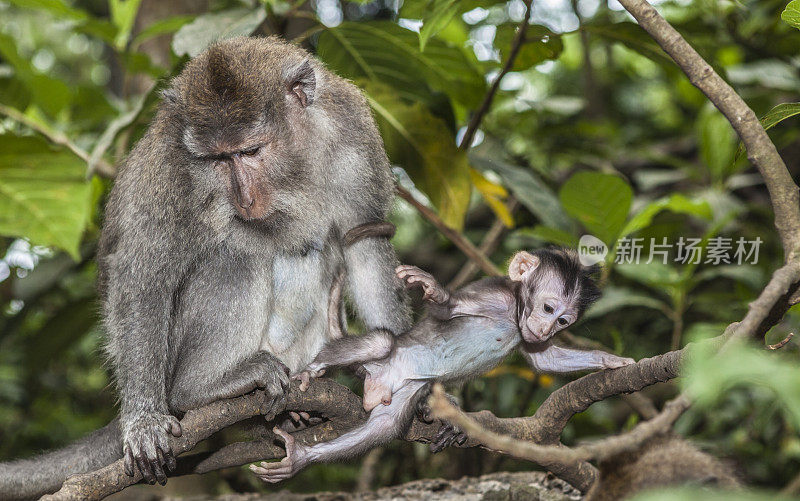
<point x="594" y="131"/>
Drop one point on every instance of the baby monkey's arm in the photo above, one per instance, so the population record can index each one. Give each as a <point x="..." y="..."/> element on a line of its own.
<point x="548" y="357"/>
<point x="472" y="301"/>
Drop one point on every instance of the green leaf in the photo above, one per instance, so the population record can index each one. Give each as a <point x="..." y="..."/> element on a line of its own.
<point x="123" y="14"/>
<point x="773" y="117"/>
<point x="616" y="298"/>
<point x="381" y="51"/>
<point x="161" y="27"/>
<point x="792" y="14"/>
<point x="540" y="45"/>
<point x="550" y="235"/>
<point x="425" y="148"/>
<point x="44" y="195"/>
<point x="58" y="8"/>
<point x="195" y="37"/>
<point x="708" y="377"/>
<point x="50" y="94"/>
<point x="779" y="113"/>
<point x="531" y="191"/>
<point x="675" y="203"/>
<point x="437" y="15"/>
<point x="655" y="274"/>
<point x="717" y="142"/>
<point x="599" y="201"/>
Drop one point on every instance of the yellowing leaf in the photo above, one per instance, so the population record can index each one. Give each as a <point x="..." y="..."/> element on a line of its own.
<point x="493" y="194"/>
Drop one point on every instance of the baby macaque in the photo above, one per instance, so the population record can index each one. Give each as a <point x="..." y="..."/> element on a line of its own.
<point x="465" y="334"/>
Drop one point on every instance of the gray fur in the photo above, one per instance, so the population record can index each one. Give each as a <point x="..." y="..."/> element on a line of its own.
<point x="207" y="297"/>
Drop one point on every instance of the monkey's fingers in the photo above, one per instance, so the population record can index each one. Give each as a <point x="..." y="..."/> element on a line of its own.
<point x="274" y="472"/>
<point x="129" y="461"/>
<point x="305" y="380"/>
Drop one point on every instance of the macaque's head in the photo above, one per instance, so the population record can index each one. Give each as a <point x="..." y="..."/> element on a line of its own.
<point x="242" y="113"/>
<point x="555" y="291"/>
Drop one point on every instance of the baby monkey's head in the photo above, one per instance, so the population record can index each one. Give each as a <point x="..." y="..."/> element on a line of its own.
<point x="555" y="291"/>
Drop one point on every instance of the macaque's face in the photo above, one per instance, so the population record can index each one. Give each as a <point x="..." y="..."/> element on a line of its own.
<point x="243" y="133"/>
<point x="548" y="305"/>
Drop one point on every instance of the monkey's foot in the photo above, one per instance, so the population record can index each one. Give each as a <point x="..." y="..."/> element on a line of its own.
<point x="307" y="375"/>
<point x="448" y="435"/>
<point x="146" y="445"/>
<point x="415" y="277"/>
<point x="286" y="467"/>
<point x="610" y="361"/>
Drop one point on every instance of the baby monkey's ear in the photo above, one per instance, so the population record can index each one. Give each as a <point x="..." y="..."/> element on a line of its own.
<point x="521" y="264"/>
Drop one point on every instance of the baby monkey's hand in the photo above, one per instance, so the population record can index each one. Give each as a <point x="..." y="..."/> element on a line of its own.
<point x="415" y="277"/>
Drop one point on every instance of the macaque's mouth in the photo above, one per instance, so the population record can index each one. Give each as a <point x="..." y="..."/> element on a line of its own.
<point x="530" y="336"/>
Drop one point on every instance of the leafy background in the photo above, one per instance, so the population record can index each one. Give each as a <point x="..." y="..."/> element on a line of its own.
<point x="593" y="131"/>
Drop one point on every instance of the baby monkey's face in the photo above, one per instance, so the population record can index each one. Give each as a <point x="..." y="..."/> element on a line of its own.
<point x="549" y="295"/>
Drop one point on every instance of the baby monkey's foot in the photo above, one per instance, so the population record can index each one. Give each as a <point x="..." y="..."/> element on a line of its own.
<point x="286" y="467"/>
<point x="415" y="277"/>
<point x="307" y="375"/>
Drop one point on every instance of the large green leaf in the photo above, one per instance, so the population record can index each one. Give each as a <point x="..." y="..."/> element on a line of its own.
<point x="195" y="37"/>
<point x="792" y="13"/>
<point x="599" y="201"/>
<point x="615" y="298"/>
<point x="44" y="195"/>
<point x="717" y="142"/>
<point x="382" y="51"/>
<point x="675" y="203"/>
<point x="546" y="234"/>
<point x="540" y="44"/>
<point x="423" y="145"/>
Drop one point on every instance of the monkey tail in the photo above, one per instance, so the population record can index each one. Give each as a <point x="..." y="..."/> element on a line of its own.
<point x="44" y="474"/>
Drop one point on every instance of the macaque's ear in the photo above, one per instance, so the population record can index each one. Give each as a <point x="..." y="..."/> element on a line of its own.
<point x="522" y="263"/>
<point x="301" y="84"/>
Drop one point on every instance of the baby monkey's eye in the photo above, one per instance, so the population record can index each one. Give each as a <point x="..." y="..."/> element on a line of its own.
<point x="562" y="321"/>
<point x="548" y="308"/>
<point x="251" y="151"/>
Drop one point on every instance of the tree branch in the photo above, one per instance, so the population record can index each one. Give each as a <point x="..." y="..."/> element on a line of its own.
<point x="460" y="241"/>
<point x="102" y="167"/>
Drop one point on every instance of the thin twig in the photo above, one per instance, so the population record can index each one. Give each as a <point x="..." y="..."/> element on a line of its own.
<point x="778" y="346"/>
<point x="103" y="168"/>
<point x="456" y="237"/>
<point x="516" y="45"/>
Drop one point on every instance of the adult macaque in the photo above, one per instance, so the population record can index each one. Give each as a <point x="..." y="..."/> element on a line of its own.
<point x="464" y="335"/>
<point x="222" y="237"/>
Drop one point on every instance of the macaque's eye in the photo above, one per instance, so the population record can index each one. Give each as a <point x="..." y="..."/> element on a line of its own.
<point x="548" y="308"/>
<point x="252" y="151"/>
<point x="562" y="321"/>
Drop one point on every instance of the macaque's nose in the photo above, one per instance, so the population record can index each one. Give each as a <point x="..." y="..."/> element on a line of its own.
<point x="241" y="185"/>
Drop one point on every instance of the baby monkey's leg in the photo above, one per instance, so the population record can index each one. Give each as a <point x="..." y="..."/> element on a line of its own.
<point x="348" y="350"/>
